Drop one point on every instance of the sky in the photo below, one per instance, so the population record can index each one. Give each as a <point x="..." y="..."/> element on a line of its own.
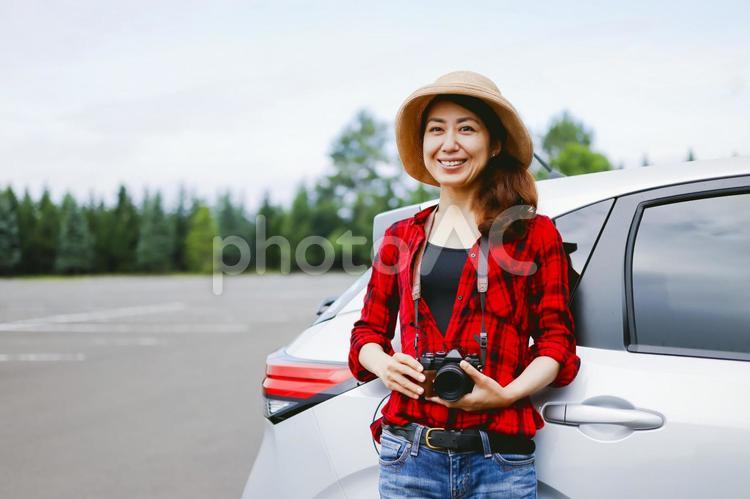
<point x="248" y="96"/>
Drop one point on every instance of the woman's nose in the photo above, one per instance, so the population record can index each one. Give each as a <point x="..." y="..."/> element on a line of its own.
<point x="450" y="143"/>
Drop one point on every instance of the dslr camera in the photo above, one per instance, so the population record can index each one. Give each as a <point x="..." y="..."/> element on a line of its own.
<point x="444" y="377"/>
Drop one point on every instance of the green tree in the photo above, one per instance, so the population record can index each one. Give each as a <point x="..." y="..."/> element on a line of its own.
<point x="565" y="129"/>
<point x="47" y="233"/>
<point x="363" y="183"/>
<point x="690" y="155"/>
<point x="231" y="221"/>
<point x="10" y="244"/>
<point x="297" y="224"/>
<point x="269" y="222"/>
<point x="75" y="248"/>
<point x="101" y="226"/>
<point x="125" y="232"/>
<point x="577" y="159"/>
<point x="568" y="145"/>
<point x="154" y="249"/>
<point x="28" y="221"/>
<point x="199" y="243"/>
<point x="180" y="219"/>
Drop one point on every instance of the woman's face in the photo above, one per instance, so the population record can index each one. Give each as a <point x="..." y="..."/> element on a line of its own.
<point x="456" y="144"/>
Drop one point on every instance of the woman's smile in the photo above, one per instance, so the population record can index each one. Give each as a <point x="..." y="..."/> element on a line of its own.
<point x="451" y="164"/>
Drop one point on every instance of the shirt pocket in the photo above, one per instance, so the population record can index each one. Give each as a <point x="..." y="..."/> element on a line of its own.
<point x="498" y="301"/>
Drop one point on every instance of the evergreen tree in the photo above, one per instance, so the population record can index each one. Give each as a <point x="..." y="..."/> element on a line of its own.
<point x="567" y="142"/>
<point x="690" y="155"/>
<point x="126" y="231"/>
<point x="297" y="225"/>
<point x="180" y="219"/>
<point x="101" y="227"/>
<point x="565" y="129"/>
<point x="154" y="248"/>
<point x="363" y="183"/>
<point x="47" y="233"/>
<point x="271" y="217"/>
<point x="577" y="159"/>
<point x="231" y="221"/>
<point x="10" y="245"/>
<point x="75" y="248"/>
<point x="199" y="243"/>
<point x="28" y="221"/>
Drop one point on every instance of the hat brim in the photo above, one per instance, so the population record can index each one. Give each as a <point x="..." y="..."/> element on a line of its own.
<point x="408" y="123"/>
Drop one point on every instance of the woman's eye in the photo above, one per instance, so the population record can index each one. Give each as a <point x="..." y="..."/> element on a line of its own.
<point x="435" y="129"/>
<point x="467" y="127"/>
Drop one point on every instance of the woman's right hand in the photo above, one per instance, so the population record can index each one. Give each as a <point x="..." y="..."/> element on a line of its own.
<point x="398" y="371"/>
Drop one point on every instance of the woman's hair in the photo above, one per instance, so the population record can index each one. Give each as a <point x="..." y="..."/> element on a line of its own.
<point x="503" y="183"/>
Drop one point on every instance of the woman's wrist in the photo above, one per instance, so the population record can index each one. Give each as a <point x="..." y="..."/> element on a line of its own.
<point x="373" y="358"/>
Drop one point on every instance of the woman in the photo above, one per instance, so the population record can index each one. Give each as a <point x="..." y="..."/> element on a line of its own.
<point x="460" y="134"/>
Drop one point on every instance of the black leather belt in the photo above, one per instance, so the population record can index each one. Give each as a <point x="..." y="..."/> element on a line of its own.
<point x="465" y="440"/>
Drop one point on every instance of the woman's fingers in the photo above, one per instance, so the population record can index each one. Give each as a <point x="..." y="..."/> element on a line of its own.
<point x="410" y="371"/>
<point x="398" y="372"/>
<point x="403" y="385"/>
<point x="408" y="360"/>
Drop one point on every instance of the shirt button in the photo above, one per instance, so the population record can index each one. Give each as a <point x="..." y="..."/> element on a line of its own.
<point x="460" y="297"/>
<point x="473" y="255"/>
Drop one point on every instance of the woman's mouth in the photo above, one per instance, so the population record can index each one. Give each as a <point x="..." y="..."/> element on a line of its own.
<point x="451" y="165"/>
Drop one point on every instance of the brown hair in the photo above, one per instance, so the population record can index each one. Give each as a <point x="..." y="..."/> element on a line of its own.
<point x="503" y="183"/>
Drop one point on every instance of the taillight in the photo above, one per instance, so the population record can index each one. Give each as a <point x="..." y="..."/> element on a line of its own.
<point x="292" y="385"/>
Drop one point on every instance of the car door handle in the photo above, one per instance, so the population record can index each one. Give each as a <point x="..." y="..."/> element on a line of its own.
<point x="579" y="414"/>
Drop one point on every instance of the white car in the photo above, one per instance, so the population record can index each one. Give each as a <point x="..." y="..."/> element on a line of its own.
<point x="660" y="292"/>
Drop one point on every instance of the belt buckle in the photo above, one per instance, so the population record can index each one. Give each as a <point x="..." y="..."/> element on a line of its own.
<point x="427" y="439"/>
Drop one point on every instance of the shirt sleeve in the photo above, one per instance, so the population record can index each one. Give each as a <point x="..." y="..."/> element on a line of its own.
<point x="552" y="325"/>
<point x="377" y="322"/>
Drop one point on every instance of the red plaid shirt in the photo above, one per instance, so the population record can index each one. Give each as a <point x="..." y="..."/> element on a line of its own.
<point x="517" y="306"/>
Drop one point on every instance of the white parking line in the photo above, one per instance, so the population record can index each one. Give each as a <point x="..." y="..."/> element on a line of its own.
<point x="99" y="315"/>
<point x="42" y="357"/>
<point x="124" y="342"/>
<point x="137" y="328"/>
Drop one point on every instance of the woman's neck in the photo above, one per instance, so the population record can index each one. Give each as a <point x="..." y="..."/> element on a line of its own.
<point x="455" y="223"/>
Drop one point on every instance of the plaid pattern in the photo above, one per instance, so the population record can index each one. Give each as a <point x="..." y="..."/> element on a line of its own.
<point x="527" y="296"/>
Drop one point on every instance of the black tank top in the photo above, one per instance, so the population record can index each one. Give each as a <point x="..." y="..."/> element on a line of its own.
<point x="440" y="272"/>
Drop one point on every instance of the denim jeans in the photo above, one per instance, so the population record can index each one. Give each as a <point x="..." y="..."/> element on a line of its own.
<point x="408" y="469"/>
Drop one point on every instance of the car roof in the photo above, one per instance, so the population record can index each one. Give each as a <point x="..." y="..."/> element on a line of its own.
<point x="558" y="196"/>
<point x="561" y="195"/>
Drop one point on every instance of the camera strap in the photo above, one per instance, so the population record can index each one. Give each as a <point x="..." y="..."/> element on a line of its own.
<point x="482" y="282"/>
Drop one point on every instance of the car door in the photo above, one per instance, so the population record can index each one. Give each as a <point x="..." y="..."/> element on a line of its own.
<point x="662" y="310"/>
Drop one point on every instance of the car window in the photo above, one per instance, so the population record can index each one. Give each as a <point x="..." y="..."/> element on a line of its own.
<point x="579" y="230"/>
<point x="345" y="297"/>
<point x="690" y="277"/>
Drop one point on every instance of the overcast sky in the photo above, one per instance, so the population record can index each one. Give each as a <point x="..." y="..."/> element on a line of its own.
<point x="249" y="95"/>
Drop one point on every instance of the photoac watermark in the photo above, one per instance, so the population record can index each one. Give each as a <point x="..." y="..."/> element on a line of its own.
<point x="390" y="253"/>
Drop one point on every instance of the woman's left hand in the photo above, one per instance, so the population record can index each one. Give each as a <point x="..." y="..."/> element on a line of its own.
<point x="487" y="393"/>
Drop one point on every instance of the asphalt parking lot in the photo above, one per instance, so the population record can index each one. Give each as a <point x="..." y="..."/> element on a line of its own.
<point x="145" y="387"/>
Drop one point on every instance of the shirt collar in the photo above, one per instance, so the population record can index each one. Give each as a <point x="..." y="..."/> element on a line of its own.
<point x="421" y="216"/>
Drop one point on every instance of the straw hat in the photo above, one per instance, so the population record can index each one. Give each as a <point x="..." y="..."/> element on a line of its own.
<point x="408" y="120"/>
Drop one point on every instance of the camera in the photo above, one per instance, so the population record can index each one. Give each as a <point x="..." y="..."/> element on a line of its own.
<point x="444" y="377"/>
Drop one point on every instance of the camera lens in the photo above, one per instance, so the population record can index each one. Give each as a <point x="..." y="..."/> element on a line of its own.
<point x="451" y="382"/>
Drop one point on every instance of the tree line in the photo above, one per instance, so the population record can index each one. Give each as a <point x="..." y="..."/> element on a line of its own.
<point x="39" y="236"/>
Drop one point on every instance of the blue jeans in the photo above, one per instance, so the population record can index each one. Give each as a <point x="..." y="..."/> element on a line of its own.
<point x="408" y="469"/>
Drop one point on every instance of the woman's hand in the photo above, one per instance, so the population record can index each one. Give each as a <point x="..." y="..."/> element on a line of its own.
<point x="487" y="393"/>
<point x="398" y="371"/>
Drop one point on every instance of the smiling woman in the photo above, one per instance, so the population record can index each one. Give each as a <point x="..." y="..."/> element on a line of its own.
<point x="462" y="135"/>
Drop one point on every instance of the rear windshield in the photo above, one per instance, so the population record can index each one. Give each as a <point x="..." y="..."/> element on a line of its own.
<point x="345" y="297"/>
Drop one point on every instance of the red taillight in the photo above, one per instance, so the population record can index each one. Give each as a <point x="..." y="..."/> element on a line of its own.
<point x="292" y="385"/>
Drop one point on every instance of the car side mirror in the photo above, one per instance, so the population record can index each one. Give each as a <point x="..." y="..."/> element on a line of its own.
<point x="327" y="302"/>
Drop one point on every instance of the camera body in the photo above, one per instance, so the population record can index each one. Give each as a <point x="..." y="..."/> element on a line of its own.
<point x="443" y="375"/>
